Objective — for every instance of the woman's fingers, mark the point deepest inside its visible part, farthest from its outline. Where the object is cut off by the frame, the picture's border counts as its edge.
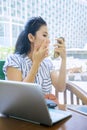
(59, 45)
(60, 40)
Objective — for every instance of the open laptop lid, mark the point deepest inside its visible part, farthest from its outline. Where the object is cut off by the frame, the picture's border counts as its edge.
(23, 101)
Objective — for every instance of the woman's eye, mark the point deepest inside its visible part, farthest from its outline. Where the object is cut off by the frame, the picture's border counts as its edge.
(45, 35)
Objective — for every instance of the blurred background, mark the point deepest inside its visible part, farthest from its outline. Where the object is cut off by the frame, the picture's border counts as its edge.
(66, 18)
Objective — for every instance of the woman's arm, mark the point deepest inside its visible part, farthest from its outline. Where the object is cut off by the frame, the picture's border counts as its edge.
(38, 55)
(59, 77)
(16, 75)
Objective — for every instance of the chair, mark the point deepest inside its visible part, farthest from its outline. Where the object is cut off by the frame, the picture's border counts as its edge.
(73, 95)
(2, 76)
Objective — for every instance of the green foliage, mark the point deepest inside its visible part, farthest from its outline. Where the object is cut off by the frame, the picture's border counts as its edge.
(5, 51)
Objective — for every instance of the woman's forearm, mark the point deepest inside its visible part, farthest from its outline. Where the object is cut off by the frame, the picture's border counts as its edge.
(62, 75)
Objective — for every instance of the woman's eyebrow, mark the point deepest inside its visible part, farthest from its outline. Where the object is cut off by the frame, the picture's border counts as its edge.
(46, 33)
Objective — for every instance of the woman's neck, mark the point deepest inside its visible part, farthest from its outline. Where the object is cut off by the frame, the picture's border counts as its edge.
(30, 55)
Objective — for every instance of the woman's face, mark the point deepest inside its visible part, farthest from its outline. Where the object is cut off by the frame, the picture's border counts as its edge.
(41, 35)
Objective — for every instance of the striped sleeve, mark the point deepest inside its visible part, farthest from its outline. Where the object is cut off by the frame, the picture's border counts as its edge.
(13, 61)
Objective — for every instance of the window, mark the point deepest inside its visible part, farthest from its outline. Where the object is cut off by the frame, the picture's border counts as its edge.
(14, 30)
(2, 30)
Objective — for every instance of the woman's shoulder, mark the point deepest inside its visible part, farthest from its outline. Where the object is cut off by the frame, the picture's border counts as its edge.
(13, 56)
(16, 57)
(14, 60)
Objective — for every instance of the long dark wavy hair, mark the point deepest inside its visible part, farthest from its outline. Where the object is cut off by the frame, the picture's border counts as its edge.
(23, 45)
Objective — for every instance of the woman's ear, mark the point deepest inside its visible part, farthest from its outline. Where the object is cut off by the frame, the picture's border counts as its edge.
(31, 37)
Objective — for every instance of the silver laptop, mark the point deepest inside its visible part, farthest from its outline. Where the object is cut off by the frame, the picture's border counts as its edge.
(25, 101)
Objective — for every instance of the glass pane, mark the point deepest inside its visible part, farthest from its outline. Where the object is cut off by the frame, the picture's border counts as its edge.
(2, 29)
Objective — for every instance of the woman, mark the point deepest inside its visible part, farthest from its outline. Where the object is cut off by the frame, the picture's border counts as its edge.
(30, 62)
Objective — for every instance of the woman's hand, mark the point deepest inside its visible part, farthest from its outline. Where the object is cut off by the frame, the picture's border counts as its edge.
(40, 52)
(60, 48)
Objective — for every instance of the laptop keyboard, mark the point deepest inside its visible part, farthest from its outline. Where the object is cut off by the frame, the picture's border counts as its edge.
(57, 115)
